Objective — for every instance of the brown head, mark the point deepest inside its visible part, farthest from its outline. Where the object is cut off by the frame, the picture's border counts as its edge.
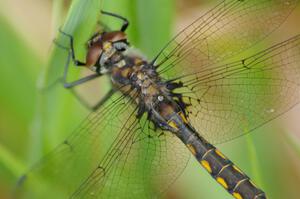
(102, 46)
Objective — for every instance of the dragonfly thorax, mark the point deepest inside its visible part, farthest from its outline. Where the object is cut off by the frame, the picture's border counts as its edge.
(152, 95)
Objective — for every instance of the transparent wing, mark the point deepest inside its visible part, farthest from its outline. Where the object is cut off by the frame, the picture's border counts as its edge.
(147, 163)
(111, 153)
(224, 31)
(230, 100)
(68, 165)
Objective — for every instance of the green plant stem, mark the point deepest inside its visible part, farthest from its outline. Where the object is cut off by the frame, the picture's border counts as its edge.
(254, 160)
(14, 166)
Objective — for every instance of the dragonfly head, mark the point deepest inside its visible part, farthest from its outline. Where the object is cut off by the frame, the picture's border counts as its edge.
(102, 49)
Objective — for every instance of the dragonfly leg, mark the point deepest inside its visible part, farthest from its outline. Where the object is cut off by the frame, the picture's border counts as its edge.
(71, 85)
(63, 79)
(76, 82)
(103, 100)
(79, 81)
(125, 21)
(98, 104)
(72, 51)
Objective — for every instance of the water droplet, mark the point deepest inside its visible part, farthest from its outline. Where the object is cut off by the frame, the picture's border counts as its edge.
(271, 110)
(160, 98)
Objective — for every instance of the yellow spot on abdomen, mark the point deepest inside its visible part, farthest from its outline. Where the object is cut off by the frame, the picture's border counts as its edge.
(183, 117)
(173, 124)
(237, 195)
(220, 154)
(206, 165)
(191, 148)
(222, 182)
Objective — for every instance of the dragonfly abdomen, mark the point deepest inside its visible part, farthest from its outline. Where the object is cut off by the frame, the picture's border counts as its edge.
(228, 175)
(218, 165)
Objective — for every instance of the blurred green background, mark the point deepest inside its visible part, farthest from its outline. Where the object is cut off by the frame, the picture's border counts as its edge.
(34, 121)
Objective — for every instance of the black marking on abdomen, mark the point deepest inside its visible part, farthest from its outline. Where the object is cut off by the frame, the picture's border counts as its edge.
(220, 167)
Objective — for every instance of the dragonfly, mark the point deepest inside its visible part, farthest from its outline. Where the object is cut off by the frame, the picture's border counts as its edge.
(159, 112)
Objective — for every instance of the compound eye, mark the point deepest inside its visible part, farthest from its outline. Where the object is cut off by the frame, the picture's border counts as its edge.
(93, 55)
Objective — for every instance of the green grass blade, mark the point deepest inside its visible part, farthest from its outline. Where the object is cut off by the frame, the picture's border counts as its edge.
(17, 97)
(9, 161)
(57, 110)
(254, 160)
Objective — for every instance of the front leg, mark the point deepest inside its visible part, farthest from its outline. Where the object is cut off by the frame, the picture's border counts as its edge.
(76, 82)
(72, 51)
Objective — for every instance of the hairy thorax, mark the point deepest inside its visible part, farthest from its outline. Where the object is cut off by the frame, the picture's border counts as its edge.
(139, 80)
(133, 78)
